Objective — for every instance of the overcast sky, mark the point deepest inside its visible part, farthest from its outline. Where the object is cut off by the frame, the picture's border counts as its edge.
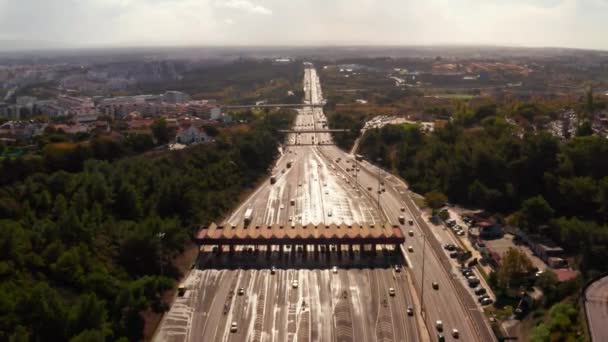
(559, 23)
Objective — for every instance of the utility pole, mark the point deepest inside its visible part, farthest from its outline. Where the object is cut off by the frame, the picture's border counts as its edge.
(160, 236)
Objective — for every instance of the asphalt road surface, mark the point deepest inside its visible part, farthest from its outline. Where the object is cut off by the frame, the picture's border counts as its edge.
(322, 184)
(596, 309)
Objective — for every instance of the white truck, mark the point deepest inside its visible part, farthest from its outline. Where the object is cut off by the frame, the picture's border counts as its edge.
(248, 216)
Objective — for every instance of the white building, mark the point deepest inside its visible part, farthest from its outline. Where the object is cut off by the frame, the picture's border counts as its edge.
(175, 97)
(191, 135)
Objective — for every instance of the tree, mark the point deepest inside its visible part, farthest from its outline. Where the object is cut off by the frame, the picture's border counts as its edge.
(160, 129)
(514, 268)
(89, 313)
(435, 199)
(540, 333)
(584, 129)
(535, 211)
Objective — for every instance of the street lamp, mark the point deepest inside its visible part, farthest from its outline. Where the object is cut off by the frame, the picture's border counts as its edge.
(160, 236)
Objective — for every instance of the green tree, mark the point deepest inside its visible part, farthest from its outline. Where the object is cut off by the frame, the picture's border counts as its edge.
(535, 211)
(435, 199)
(514, 268)
(89, 313)
(540, 333)
(584, 129)
(161, 131)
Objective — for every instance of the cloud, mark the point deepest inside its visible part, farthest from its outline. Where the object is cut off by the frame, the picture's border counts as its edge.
(243, 5)
(565, 23)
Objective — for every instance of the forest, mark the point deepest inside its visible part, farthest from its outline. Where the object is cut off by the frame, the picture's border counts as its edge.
(558, 188)
(85, 252)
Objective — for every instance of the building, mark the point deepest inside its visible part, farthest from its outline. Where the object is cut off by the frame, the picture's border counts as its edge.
(175, 97)
(75, 105)
(21, 129)
(191, 134)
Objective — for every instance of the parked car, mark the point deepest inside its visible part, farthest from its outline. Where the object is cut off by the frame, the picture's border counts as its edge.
(487, 301)
(480, 291)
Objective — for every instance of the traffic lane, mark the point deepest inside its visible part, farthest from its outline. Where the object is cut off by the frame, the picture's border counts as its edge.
(440, 304)
(475, 316)
(479, 324)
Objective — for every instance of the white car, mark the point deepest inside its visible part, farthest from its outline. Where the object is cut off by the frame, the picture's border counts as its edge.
(391, 292)
(233, 327)
(334, 269)
(410, 249)
(439, 325)
(294, 284)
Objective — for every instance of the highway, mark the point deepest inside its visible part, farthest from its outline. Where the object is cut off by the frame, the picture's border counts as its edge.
(596, 309)
(319, 184)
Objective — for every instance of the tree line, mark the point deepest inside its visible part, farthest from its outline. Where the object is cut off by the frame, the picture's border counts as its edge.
(80, 250)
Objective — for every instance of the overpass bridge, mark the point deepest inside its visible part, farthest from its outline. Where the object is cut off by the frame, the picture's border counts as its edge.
(276, 105)
(334, 130)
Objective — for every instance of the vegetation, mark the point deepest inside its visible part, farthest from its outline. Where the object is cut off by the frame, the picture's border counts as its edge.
(240, 81)
(481, 160)
(81, 256)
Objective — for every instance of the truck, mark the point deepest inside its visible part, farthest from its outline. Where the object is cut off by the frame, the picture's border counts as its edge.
(248, 216)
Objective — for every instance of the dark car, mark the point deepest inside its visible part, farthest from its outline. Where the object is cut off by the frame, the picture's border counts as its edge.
(480, 291)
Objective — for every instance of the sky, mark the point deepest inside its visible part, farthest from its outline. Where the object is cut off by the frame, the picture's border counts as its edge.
(92, 23)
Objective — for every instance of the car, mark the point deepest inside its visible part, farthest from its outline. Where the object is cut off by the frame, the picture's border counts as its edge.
(435, 285)
(233, 327)
(480, 291)
(369, 188)
(468, 273)
(241, 291)
(411, 222)
(453, 255)
(410, 249)
(402, 208)
(410, 311)
(391, 292)
(181, 290)
(401, 219)
(487, 301)
(282, 206)
(334, 269)
(397, 268)
(439, 325)
(411, 233)
(473, 281)
(294, 284)
(482, 298)
(460, 233)
(440, 338)
(455, 333)
(273, 270)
